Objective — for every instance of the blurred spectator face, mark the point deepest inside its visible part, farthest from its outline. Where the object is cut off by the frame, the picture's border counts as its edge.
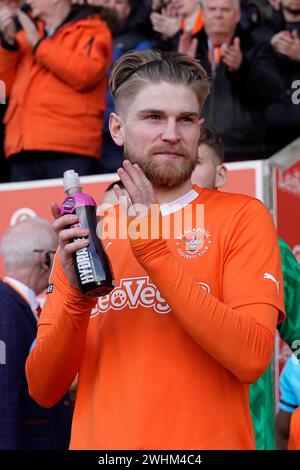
(185, 7)
(291, 5)
(39, 8)
(12, 4)
(209, 172)
(221, 17)
(121, 7)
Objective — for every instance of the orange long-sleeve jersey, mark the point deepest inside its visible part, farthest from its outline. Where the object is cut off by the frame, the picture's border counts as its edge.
(165, 359)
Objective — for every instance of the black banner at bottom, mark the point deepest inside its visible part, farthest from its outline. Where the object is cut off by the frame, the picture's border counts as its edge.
(139, 459)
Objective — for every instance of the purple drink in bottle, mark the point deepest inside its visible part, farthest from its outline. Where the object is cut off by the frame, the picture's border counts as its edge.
(93, 271)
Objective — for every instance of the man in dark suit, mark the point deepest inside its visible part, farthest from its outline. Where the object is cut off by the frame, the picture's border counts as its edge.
(28, 249)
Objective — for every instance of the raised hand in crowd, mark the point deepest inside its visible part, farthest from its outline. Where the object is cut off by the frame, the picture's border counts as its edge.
(29, 28)
(232, 55)
(187, 44)
(288, 44)
(275, 4)
(166, 22)
(7, 24)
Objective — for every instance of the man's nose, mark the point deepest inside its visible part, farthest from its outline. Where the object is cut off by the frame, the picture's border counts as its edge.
(170, 132)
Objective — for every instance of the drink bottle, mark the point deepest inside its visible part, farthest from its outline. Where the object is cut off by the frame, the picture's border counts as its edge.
(92, 267)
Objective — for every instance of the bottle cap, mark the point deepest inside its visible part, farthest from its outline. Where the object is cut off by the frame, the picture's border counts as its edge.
(71, 181)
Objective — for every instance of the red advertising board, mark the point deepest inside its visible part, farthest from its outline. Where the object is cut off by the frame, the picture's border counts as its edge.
(287, 204)
(287, 209)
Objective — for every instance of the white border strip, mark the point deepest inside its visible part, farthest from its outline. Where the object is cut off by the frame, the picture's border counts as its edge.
(106, 178)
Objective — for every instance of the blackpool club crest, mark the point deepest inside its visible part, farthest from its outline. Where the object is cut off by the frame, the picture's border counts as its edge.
(193, 242)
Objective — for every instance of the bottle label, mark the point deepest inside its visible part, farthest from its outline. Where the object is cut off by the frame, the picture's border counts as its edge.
(84, 265)
(69, 204)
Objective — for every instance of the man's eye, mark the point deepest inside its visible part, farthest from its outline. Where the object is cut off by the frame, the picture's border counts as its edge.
(153, 117)
(186, 119)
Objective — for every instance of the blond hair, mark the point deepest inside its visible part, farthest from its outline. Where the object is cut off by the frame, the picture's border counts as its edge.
(136, 69)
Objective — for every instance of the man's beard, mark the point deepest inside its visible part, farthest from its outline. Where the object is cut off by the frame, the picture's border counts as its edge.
(292, 11)
(164, 173)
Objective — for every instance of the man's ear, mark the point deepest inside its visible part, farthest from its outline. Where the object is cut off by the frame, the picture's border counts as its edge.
(45, 261)
(221, 176)
(116, 129)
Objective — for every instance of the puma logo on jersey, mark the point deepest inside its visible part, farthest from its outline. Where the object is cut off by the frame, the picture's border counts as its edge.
(272, 278)
(134, 292)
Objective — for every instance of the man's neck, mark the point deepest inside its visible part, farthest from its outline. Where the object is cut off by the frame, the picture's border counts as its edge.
(24, 277)
(290, 16)
(165, 195)
(57, 17)
(219, 39)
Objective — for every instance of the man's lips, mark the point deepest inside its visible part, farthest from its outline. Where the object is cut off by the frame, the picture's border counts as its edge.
(168, 155)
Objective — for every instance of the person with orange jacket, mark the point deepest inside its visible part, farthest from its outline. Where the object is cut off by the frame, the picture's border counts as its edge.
(54, 63)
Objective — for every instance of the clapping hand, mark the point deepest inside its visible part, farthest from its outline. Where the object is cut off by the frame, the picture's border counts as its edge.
(187, 44)
(232, 55)
(138, 190)
(7, 25)
(288, 44)
(166, 22)
(29, 28)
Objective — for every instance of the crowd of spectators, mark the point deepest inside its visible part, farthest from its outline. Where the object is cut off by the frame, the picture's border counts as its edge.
(55, 58)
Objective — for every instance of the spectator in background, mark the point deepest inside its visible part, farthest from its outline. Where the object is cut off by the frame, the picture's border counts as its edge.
(289, 400)
(55, 69)
(131, 16)
(27, 249)
(109, 196)
(294, 439)
(175, 18)
(210, 171)
(245, 79)
(282, 31)
(261, 393)
(2, 157)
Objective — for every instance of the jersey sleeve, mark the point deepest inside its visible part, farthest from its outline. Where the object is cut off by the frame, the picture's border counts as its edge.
(252, 266)
(60, 340)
